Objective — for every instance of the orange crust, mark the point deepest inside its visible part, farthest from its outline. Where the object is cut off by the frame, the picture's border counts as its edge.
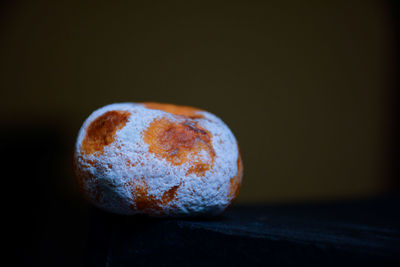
(145, 202)
(101, 131)
(186, 111)
(176, 141)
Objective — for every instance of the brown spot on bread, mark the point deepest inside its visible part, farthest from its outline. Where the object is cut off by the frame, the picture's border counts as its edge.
(85, 161)
(146, 202)
(236, 181)
(129, 163)
(143, 200)
(169, 195)
(175, 142)
(198, 168)
(101, 132)
(186, 111)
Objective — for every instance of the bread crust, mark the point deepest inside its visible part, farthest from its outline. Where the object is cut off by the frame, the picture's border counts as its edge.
(157, 159)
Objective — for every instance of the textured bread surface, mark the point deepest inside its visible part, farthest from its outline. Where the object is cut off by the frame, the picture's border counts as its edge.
(157, 159)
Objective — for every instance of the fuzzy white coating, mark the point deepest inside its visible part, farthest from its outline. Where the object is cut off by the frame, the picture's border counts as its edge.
(127, 160)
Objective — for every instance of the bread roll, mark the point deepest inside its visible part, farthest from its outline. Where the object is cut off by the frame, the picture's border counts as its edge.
(157, 159)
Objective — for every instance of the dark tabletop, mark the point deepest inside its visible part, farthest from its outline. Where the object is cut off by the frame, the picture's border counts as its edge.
(357, 233)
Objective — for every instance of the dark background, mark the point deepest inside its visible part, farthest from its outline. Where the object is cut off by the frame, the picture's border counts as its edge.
(309, 89)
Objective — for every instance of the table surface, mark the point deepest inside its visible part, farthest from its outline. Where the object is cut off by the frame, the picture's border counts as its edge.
(358, 232)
